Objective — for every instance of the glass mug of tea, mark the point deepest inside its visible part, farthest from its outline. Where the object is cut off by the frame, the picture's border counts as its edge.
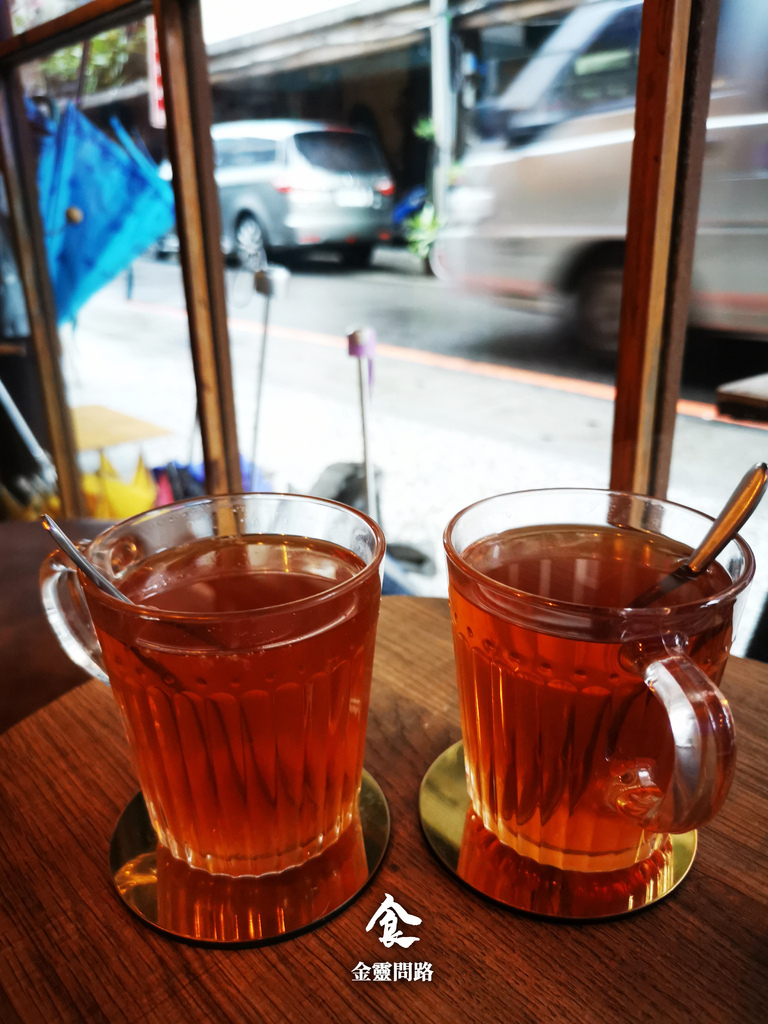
(242, 668)
(592, 729)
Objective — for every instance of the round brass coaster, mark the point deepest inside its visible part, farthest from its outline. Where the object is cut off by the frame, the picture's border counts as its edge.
(472, 853)
(221, 910)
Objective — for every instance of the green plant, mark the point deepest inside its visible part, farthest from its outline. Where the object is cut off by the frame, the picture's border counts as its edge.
(425, 129)
(115, 58)
(421, 230)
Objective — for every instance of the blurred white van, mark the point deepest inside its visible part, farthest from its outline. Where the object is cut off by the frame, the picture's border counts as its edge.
(538, 216)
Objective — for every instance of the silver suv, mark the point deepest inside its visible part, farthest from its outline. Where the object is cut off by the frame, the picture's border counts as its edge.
(295, 185)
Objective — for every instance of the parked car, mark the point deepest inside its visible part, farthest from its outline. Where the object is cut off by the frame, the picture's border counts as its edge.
(287, 185)
(539, 215)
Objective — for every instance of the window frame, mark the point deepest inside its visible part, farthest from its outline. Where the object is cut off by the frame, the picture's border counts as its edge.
(675, 68)
(188, 110)
(677, 54)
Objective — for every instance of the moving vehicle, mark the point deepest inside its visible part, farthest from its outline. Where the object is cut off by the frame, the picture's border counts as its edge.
(538, 218)
(288, 185)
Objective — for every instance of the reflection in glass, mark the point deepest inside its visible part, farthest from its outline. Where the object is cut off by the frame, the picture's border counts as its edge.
(27, 14)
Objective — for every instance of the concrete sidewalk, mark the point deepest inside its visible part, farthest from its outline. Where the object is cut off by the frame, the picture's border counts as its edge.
(445, 432)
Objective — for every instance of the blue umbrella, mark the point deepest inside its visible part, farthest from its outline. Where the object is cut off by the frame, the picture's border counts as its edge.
(126, 206)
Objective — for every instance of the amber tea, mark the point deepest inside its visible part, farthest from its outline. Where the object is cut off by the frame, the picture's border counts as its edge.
(551, 711)
(247, 713)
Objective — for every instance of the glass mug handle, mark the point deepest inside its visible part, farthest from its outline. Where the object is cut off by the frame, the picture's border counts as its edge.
(705, 744)
(68, 615)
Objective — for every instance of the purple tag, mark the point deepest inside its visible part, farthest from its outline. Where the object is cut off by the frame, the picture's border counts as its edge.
(362, 345)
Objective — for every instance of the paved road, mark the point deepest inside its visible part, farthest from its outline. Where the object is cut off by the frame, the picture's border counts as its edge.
(412, 310)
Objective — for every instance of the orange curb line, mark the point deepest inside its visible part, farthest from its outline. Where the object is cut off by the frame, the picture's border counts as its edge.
(571, 385)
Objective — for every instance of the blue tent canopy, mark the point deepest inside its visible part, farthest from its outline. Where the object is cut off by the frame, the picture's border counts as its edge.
(126, 206)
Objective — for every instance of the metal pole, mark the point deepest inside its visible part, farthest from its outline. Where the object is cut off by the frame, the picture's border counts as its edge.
(45, 466)
(270, 281)
(259, 390)
(371, 502)
(86, 54)
(362, 345)
(442, 101)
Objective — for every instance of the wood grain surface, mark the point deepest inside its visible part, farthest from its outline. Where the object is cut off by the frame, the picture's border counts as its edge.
(71, 953)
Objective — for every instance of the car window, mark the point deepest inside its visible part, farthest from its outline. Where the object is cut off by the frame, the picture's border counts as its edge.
(547, 65)
(244, 152)
(607, 70)
(339, 151)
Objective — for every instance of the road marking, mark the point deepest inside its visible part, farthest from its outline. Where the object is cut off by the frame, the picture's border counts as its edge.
(422, 357)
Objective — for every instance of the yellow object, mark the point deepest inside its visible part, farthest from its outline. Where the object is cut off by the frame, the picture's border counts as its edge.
(39, 503)
(107, 496)
(97, 427)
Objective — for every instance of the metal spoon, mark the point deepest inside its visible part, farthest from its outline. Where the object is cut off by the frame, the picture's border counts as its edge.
(87, 568)
(736, 511)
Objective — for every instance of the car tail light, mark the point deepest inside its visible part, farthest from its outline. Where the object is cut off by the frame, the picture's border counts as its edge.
(281, 185)
(385, 186)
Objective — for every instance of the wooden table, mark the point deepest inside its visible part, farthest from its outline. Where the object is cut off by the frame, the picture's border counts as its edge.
(71, 953)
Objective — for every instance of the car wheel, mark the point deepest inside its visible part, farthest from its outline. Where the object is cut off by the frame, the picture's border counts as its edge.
(357, 257)
(249, 243)
(597, 312)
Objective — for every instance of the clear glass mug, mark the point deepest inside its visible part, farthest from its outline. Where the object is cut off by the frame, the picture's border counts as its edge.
(247, 725)
(591, 729)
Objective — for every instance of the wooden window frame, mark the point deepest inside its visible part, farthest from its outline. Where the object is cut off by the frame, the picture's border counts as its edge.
(188, 109)
(677, 56)
(674, 76)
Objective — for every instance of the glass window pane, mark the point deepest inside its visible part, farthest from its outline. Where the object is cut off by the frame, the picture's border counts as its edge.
(27, 14)
(13, 311)
(21, 409)
(726, 344)
(108, 219)
(471, 396)
(116, 59)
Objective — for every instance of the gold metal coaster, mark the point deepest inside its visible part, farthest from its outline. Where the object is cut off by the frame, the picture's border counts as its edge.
(221, 910)
(476, 856)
